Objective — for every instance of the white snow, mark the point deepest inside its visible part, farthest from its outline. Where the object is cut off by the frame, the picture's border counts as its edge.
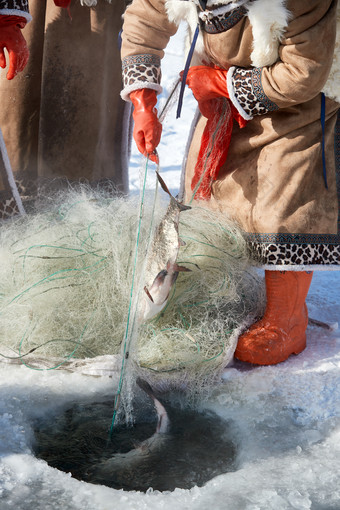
(286, 417)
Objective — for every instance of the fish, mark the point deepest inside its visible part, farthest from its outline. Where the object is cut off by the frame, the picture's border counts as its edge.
(162, 269)
(146, 449)
(168, 446)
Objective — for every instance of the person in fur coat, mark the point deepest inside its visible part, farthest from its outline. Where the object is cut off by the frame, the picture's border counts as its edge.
(265, 74)
(62, 118)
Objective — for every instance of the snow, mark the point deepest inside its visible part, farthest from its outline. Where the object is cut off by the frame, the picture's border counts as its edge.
(286, 417)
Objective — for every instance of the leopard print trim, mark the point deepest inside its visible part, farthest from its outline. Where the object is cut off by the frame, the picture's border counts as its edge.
(223, 22)
(15, 8)
(27, 190)
(291, 254)
(141, 71)
(293, 251)
(19, 5)
(248, 92)
(8, 208)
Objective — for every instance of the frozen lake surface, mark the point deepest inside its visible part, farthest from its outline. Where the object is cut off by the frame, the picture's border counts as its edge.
(286, 418)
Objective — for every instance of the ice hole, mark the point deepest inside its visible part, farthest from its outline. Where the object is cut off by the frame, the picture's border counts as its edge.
(198, 447)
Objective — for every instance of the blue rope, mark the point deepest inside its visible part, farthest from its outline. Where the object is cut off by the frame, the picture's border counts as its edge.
(203, 4)
(323, 122)
(185, 72)
(120, 39)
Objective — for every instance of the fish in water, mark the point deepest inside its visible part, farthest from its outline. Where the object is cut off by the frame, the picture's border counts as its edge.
(168, 446)
(161, 268)
(145, 449)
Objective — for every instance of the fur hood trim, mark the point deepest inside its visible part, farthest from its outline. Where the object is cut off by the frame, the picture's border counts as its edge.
(181, 10)
(267, 17)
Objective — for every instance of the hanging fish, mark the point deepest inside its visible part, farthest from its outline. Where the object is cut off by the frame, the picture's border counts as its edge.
(162, 269)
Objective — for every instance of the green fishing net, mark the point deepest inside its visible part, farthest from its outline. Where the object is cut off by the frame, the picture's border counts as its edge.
(66, 293)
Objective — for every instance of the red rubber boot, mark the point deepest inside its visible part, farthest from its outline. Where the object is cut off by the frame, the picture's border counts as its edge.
(282, 330)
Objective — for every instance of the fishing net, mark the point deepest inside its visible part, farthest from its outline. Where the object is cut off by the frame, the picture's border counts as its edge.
(65, 279)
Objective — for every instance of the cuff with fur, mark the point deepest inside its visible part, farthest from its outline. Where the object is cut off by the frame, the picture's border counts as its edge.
(246, 92)
(141, 71)
(125, 93)
(16, 12)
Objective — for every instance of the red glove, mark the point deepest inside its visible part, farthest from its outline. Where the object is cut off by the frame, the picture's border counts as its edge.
(209, 86)
(12, 39)
(147, 131)
(62, 3)
(209, 83)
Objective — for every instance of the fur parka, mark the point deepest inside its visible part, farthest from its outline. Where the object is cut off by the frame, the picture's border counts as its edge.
(280, 56)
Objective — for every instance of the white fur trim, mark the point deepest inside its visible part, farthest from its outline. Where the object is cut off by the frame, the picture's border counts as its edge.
(332, 87)
(232, 97)
(90, 3)
(125, 93)
(268, 19)
(180, 10)
(16, 12)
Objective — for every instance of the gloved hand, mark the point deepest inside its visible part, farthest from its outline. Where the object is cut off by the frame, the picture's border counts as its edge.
(209, 86)
(12, 39)
(147, 130)
(209, 83)
(62, 3)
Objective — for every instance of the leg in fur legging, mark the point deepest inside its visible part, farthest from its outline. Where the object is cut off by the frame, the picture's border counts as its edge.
(62, 117)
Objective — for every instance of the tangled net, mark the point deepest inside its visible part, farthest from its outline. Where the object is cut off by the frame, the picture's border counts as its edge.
(66, 273)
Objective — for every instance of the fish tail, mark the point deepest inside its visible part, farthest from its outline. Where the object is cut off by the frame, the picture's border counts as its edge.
(165, 188)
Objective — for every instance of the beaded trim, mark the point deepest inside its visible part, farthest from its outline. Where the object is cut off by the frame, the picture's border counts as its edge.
(145, 59)
(223, 22)
(258, 90)
(298, 239)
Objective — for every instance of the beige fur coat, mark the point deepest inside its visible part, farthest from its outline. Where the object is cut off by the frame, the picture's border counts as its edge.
(280, 56)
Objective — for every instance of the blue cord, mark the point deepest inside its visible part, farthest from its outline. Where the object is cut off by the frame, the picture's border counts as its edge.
(323, 122)
(185, 72)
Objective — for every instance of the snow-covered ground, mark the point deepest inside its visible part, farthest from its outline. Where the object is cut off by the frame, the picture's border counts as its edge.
(286, 418)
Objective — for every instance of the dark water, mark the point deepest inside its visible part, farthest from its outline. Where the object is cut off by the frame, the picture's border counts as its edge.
(198, 447)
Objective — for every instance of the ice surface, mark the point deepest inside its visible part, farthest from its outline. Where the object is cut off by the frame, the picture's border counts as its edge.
(287, 417)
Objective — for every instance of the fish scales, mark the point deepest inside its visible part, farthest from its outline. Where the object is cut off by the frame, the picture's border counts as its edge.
(161, 268)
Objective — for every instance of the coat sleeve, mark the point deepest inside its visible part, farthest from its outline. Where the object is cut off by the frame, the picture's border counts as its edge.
(305, 59)
(15, 8)
(146, 33)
